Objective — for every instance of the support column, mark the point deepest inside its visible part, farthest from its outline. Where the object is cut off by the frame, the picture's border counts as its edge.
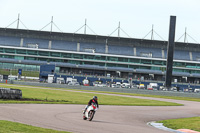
(163, 53)
(78, 47)
(21, 42)
(170, 52)
(50, 43)
(134, 51)
(191, 58)
(106, 46)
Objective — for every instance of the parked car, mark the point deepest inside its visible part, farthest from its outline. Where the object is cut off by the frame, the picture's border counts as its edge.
(73, 83)
(196, 90)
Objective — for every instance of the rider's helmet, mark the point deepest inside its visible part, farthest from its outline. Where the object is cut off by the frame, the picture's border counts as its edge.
(95, 98)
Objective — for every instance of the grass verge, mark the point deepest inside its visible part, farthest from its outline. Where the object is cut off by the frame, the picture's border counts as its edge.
(158, 96)
(14, 127)
(129, 94)
(39, 95)
(184, 123)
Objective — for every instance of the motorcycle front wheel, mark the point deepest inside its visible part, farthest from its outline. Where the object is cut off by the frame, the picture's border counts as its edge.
(91, 115)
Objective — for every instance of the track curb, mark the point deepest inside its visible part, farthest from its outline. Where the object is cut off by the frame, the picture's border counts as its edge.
(162, 127)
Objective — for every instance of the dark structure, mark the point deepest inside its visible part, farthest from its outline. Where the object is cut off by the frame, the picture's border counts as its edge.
(46, 69)
(170, 52)
(9, 93)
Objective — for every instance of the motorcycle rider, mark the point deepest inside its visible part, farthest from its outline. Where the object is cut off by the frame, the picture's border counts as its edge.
(93, 100)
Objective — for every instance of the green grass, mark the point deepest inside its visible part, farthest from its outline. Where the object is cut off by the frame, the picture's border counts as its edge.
(15, 72)
(146, 95)
(37, 95)
(158, 96)
(184, 123)
(14, 127)
(133, 94)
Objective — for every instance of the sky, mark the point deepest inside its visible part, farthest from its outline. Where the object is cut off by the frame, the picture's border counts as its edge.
(136, 17)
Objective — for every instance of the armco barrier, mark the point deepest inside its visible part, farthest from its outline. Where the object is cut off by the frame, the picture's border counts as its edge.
(7, 93)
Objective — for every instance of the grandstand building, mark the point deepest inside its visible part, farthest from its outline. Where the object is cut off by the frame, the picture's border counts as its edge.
(96, 55)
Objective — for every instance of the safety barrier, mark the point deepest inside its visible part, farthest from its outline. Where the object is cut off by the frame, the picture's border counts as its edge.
(9, 93)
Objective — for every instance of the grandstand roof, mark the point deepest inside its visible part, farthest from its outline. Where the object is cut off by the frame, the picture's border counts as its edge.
(95, 39)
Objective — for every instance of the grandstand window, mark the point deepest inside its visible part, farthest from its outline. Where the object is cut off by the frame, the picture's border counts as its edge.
(155, 68)
(146, 61)
(89, 63)
(8, 56)
(190, 64)
(193, 71)
(66, 55)
(163, 69)
(41, 53)
(134, 60)
(78, 56)
(179, 64)
(111, 65)
(29, 67)
(198, 66)
(112, 58)
(55, 54)
(1, 50)
(8, 66)
(21, 51)
(99, 64)
(89, 57)
(65, 61)
(178, 70)
(121, 65)
(123, 59)
(135, 67)
(30, 52)
(57, 69)
(19, 57)
(197, 71)
(131, 66)
(144, 67)
(188, 71)
(75, 62)
(56, 60)
(99, 57)
(42, 59)
(157, 62)
(30, 58)
(10, 50)
(20, 66)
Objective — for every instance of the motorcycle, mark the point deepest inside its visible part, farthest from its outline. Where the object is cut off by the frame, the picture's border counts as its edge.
(89, 113)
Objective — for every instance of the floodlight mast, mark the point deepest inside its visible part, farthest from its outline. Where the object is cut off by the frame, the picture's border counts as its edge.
(51, 23)
(18, 21)
(185, 37)
(119, 30)
(85, 26)
(152, 33)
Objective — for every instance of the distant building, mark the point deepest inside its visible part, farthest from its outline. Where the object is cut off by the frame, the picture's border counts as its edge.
(96, 55)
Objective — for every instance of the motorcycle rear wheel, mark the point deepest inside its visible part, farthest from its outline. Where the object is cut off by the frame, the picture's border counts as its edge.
(84, 118)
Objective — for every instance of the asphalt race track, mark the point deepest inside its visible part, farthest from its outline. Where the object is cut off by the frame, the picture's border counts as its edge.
(108, 119)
